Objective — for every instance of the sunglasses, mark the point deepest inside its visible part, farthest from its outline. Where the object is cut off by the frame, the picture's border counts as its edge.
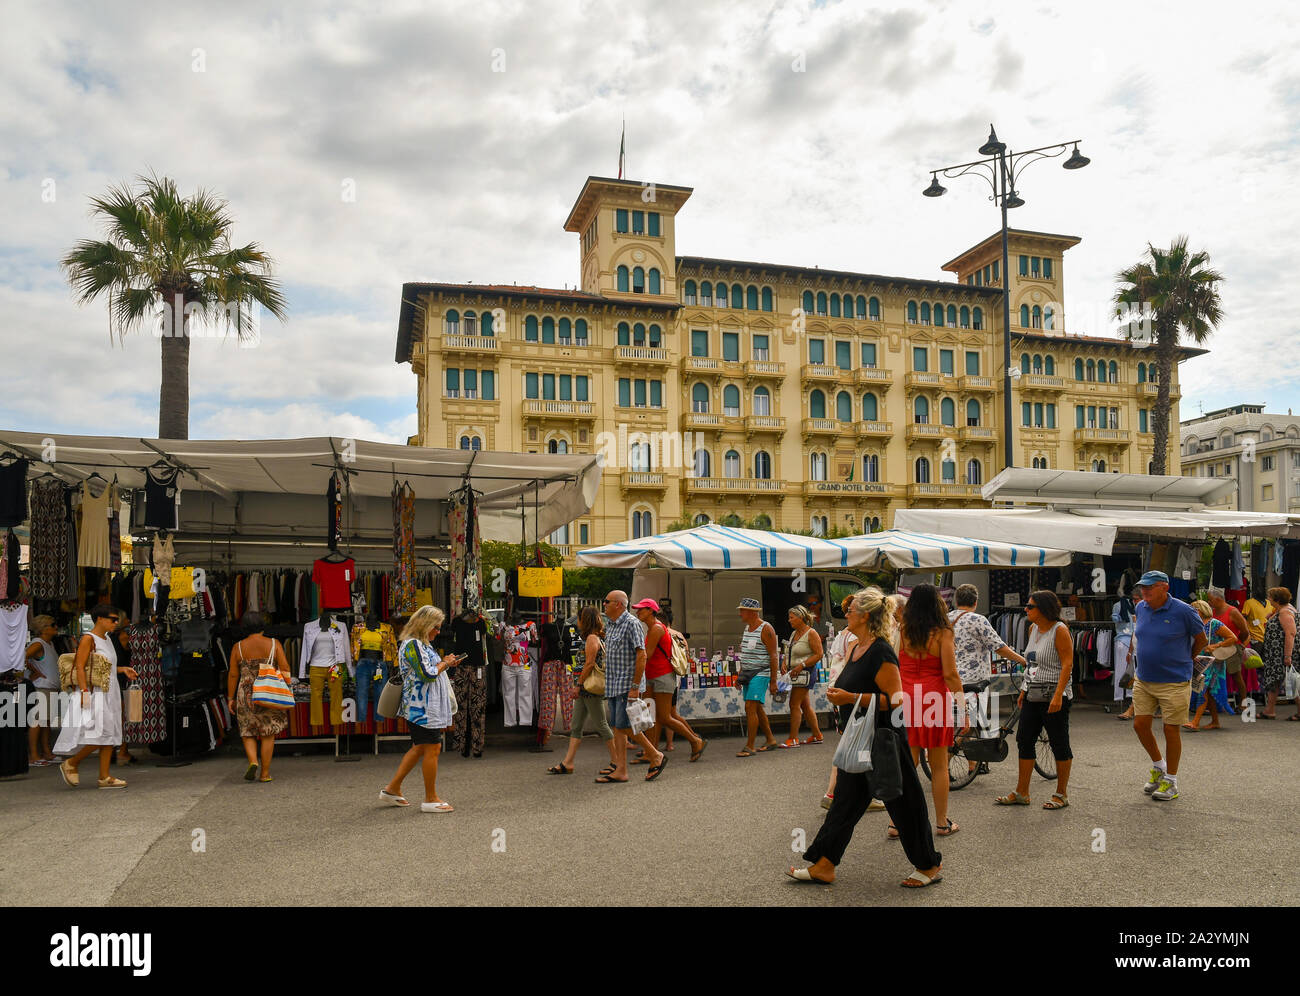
(1033, 605)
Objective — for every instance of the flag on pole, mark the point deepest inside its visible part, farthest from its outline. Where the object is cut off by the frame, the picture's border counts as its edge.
(622, 144)
(851, 466)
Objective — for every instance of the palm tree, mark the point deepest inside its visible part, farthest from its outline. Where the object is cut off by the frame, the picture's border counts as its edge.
(166, 254)
(1183, 296)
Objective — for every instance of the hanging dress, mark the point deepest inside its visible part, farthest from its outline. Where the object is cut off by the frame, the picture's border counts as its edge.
(92, 547)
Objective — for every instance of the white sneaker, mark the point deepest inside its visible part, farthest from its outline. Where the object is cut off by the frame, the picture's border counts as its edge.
(435, 807)
(1168, 790)
(1153, 781)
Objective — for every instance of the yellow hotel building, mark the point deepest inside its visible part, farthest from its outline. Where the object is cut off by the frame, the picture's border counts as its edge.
(791, 395)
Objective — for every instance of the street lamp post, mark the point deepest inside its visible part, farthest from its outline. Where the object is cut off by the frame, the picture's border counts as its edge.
(1002, 168)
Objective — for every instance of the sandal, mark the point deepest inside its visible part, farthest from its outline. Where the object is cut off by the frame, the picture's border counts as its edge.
(251, 773)
(1053, 804)
(392, 800)
(609, 769)
(1012, 799)
(111, 783)
(657, 769)
(559, 769)
(789, 742)
(767, 747)
(746, 752)
(804, 875)
(695, 754)
(266, 778)
(812, 740)
(69, 773)
(607, 780)
(893, 833)
(919, 880)
(949, 830)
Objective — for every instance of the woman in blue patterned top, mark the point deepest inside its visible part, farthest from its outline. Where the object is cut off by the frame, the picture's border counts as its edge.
(426, 707)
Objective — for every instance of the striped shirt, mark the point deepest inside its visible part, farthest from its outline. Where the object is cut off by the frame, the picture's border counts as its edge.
(1044, 662)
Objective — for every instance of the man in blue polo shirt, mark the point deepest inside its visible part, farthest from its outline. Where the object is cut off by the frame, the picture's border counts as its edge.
(1169, 634)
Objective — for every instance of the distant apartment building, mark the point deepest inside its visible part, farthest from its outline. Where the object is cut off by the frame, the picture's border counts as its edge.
(1261, 452)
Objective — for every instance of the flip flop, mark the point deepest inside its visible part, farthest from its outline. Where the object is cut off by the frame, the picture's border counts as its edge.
(893, 833)
(949, 830)
(436, 807)
(606, 780)
(641, 760)
(657, 769)
(767, 747)
(559, 769)
(393, 800)
(251, 773)
(695, 755)
(803, 875)
(268, 778)
(745, 752)
(921, 880)
(609, 769)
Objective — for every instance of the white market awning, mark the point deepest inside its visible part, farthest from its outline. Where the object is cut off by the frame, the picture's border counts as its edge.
(1078, 488)
(517, 488)
(715, 547)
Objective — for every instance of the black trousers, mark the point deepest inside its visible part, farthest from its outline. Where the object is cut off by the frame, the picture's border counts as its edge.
(910, 813)
(1034, 718)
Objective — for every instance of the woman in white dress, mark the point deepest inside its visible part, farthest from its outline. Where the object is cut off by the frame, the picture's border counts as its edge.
(94, 722)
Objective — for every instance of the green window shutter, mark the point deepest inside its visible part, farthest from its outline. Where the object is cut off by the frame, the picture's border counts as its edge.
(1051, 416)
(844, 355)
(566, 387)
(737, 296)
(548, 330)
(1078, 416)
(638, 222)
(453, 379)
(624, 284)
(1024, 266)
(582, 389)
(767, 298)
(869, 353)
(699, 342)
(530, 386)
(945, 362)
(624, 337)
(653, 286)
(920, 359)
(548, 387)
(947, 412)
(485, 323)
(530, 328)
(816, 351)
(760, 342)
(1038, 414)
(620, 223)
(731, 346)
(624, 393)
(1047, 268)
(489, 385)
(471, 381)
(656, 394)
(807, 302)
(1092, 416)
(652, 223)
(972, 364)
(582, 533)
(995, 269)
(751, 298)
(1142, 420)
(1026, 411)
(638, 393)
(869, 408)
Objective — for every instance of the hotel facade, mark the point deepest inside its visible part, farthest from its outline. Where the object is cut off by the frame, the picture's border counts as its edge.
(789, 396)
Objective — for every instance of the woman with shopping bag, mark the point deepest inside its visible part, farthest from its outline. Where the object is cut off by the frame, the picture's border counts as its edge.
(95, 722)
(872, 672)
(259, 724)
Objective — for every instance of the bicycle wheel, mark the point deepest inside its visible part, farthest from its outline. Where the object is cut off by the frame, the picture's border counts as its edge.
(1044, 759)
(959, 773)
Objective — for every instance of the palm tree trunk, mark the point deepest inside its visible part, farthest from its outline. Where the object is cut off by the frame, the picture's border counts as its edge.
(174, 392)
(1166, 347)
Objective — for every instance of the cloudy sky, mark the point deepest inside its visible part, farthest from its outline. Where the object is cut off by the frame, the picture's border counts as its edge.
(464, 172)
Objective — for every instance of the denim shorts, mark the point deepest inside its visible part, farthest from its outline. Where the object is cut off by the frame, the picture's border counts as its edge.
(616, 708)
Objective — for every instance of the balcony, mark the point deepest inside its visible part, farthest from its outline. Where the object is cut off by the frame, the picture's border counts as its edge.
(1041, 382)
(813, 427)
(646, 356)
(873, 378)
(950, 492)
(1106, 437)
(977, 434)
(454, 343)
(874, 430)
(765, 425)
(723, 488)
(639, 480)
(708, 422)
(564, 411)
(858, 491)
(927, 381)
(918, 433)
(1148, 391)
(976, 385)
(709, 366)
(817, 373)
(764, 370)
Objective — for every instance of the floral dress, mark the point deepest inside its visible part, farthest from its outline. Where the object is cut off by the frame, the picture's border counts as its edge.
(1274, 669)
(1216, 676)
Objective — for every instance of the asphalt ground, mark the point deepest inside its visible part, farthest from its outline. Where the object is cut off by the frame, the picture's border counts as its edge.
(718, 832)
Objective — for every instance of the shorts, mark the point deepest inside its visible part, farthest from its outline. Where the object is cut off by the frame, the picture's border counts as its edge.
(423, 736)
(756, 687)
(1171, 696)
(665, 684)
(616, 710)
(589, 714)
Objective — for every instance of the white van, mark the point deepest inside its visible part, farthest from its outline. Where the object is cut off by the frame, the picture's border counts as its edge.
(687, 594)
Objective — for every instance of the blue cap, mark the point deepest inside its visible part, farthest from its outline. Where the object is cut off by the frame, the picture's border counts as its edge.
(750, 603)
(1152, 577)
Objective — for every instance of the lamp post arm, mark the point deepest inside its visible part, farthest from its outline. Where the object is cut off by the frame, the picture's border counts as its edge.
(984, 169)
(1018, 162)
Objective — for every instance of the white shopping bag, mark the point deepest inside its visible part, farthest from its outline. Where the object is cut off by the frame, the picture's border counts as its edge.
(641, 714)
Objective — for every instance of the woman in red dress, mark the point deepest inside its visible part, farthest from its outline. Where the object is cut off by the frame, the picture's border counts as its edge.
(929, 670)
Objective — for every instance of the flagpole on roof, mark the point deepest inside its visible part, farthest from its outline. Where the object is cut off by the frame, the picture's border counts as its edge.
(622, 147)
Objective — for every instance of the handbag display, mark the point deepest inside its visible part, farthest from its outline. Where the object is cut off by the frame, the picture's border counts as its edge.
(133, 704)
(390, 699)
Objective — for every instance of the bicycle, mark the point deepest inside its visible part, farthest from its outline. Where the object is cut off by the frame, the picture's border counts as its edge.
(986, 750)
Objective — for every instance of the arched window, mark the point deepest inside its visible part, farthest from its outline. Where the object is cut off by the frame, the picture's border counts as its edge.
(947, 412)
(1142, 373)
(921, 410)
(767, 298)
(688, 292)
(1114, 372)
(737, 296)
(762, 466)
(1024, 316)
(873, 308)
(731, 464)
(1099, 466)
(731, 520)
(870, 408)
(471, 443)
(641, 525)
(922, 470)
(871, 468)
(565, 329)
(548, 330)
(1049, 366)
(974, 472)
(1049, 318)
(861, 306)
(762, 521)
(925, 313)
(952, 314)
(848, 305)
(817, 466)
(706, 294)
(638, 456)
(530, 328)
(470, 320)
(911, 312)
(1024, 363)
(938, 315)
(656, 336)
(875, 524)
(965, 316)
(808, 302)
(700, 520)
(816, 404)
(844, 407)
(835, 306)
(1038, 364)
(762, 401)
(751, 297)
(580, 331)
(821, 303)
(653, 285)
(1038, 317)
(638, 280)
(731, 400)
(623, 282)
(948, 472)
(1078, 369)
(638, 334)
(819, 525)
(700, 399)
(624, 334)
(451, 322)
(973, 413)
(486, 326)
(702, 465)
(1092, 370)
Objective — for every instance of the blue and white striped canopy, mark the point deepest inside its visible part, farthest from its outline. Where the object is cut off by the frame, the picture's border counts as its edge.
(714, 547)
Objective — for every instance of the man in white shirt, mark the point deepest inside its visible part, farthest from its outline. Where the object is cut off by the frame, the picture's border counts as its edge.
(974, 638)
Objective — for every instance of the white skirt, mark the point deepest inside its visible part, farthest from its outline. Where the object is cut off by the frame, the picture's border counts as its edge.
(98, 726)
